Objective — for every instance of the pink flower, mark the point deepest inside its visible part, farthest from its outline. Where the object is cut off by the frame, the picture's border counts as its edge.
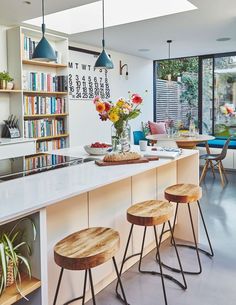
(136, 99)
(96, 99)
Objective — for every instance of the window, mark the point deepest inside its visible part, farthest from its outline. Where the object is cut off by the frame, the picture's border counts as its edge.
(177, 99)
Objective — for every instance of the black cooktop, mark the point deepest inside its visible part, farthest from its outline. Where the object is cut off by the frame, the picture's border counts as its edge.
(33, 164)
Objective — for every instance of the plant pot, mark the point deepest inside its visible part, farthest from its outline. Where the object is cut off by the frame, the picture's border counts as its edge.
(10, 274)
(3, 84)
(10, 85)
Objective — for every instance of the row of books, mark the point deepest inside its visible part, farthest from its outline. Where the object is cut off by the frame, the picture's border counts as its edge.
(43, 128)
(43, 161)
(50, 145)
(44, 105)
(29, 45)
(40, 81)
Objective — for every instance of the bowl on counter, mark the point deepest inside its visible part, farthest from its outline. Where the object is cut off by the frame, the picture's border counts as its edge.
(96, 151)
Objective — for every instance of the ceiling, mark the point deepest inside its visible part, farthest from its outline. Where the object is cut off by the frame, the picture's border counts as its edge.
(193, 33)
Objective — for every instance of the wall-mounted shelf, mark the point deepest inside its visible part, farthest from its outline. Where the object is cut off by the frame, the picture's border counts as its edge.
(64, 135)
(35, 116)
(10, 91)
(43, 64)
(11, 295)
(46, 93)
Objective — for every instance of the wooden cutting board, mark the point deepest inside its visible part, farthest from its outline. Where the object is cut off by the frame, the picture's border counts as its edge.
(141, 160)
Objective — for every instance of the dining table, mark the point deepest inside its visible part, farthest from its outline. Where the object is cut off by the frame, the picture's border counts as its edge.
(183, 140)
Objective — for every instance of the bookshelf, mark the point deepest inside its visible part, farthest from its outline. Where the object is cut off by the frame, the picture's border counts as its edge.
(11, 295)
(46, 115)
(10, 91)
(64, 135)
(44, 83)
(49, 93)
(43, 64)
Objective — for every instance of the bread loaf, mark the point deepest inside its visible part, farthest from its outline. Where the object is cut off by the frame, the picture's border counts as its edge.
(114, 157)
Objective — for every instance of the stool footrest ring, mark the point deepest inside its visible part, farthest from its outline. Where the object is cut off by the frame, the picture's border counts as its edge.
(73, 300)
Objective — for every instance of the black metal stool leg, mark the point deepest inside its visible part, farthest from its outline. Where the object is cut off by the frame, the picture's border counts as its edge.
(160, 265)
(195, 243)
(174, 223)
(177, 254)
(167, 276)
(124, 259)
(207, 235)
(175, 217)
(92, 287)
(195, 247)
(84, 290)
(120, 283)
(58, 286)
(142, 247)
(81, 297)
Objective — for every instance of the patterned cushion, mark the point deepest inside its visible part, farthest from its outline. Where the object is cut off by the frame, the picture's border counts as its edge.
(157, 127)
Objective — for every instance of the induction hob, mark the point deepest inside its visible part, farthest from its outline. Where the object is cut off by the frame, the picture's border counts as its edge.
(13, 168)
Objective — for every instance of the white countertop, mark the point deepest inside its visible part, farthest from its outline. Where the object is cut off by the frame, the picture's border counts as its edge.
(25, 195)
(7, 141)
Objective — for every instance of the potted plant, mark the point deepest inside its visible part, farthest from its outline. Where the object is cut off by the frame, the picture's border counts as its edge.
(14, 252)
(6, 81)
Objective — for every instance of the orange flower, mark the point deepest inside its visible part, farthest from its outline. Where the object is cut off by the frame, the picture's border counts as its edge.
(100, 107)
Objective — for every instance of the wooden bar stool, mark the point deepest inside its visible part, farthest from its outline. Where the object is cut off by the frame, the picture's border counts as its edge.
(84, 250)
(146, 214)
(187, 194)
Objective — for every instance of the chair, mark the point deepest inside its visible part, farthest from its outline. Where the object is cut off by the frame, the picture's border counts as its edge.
(215, 161)
(146, 214)
(84, 250)
(138, 135)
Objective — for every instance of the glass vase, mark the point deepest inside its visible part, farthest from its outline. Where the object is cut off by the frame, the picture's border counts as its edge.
(120, 137)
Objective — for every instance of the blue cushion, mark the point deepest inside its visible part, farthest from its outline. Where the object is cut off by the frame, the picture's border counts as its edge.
(138, 135)
(219, 143)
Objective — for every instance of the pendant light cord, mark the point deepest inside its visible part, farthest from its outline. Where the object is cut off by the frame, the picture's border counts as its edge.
(43, 24)
(103, 25)
(169, 50)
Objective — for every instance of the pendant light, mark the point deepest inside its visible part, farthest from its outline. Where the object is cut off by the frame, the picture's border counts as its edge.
(169, 75)
(103, 61)
(44, 51)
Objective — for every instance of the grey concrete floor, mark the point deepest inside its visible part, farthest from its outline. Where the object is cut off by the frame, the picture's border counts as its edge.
(217, 283)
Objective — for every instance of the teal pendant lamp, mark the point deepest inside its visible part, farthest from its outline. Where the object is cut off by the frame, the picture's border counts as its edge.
(44, 51)
(103, 61)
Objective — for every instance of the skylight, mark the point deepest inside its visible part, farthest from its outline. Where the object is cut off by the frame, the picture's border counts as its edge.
(89, 17)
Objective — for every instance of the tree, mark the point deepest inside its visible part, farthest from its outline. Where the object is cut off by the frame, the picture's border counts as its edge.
(176, 67)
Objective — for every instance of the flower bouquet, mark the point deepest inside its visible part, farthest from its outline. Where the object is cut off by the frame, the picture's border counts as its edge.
(119, 113)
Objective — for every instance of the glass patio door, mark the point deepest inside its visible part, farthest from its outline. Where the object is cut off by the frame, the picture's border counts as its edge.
(225, 96)
(218, 95)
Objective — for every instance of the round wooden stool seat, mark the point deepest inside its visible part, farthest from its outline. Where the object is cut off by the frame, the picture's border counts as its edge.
(86, 249)
(150, 213)
(183, 193)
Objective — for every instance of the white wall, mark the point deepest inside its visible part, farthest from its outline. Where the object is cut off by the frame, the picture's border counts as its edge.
(4, 98)
(85, 126)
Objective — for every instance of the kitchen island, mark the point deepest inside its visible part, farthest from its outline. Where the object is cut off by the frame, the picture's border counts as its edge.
(72, 198)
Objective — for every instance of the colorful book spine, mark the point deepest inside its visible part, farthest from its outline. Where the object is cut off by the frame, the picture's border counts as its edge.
(43, 128)
(34, 105)
(39, 81)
